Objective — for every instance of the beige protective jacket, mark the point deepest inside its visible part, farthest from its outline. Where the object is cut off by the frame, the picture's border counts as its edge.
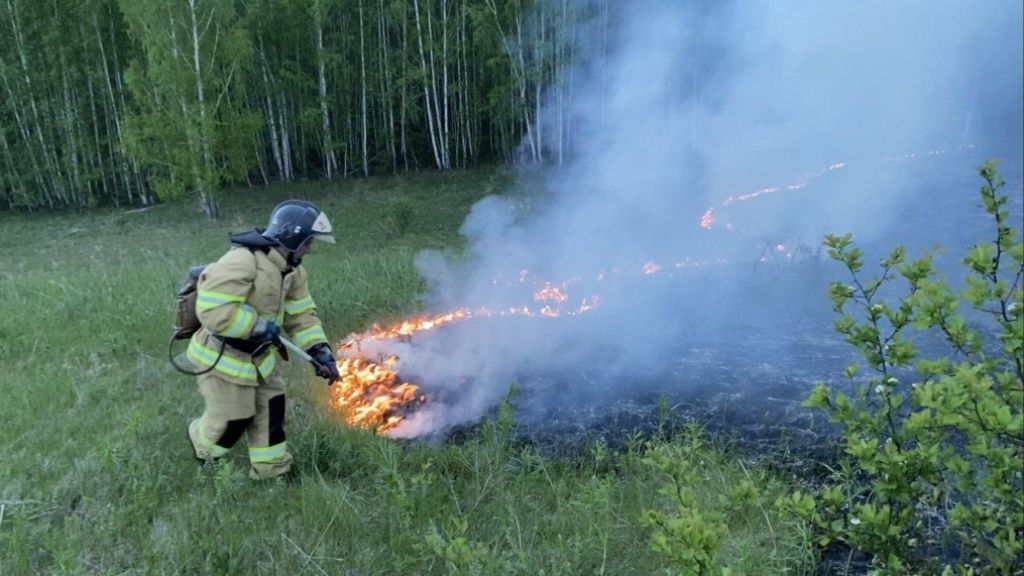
(242, 286)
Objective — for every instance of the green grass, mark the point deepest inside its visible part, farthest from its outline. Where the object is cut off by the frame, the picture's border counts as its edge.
(96, 476)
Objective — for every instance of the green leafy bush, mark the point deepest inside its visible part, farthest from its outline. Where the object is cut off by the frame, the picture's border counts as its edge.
(930, 479)
(698, 535)
(688, 536)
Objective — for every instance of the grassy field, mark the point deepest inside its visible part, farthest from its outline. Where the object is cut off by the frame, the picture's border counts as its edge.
(96, 475)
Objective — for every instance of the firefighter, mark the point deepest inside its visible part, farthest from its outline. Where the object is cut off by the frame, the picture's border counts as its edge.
(255, 293)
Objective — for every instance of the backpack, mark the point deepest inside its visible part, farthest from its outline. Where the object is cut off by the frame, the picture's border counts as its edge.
(186, 321)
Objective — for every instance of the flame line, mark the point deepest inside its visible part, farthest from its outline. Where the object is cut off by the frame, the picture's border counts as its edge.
(708, 220)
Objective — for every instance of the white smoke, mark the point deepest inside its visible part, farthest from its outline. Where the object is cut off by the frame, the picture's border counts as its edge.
(693, 102)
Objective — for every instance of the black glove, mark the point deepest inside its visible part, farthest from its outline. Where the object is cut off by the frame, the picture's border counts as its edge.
(265, 331)
(324, 363)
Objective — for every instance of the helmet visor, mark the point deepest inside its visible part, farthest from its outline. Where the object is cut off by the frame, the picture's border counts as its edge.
(322, 229)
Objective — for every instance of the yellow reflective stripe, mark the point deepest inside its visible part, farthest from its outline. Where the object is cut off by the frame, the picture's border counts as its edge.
(242, 323)
(278, 319)
(208, 299)
(268, 363)
(305, 337)
(218, 451)
(268, 453)
(299, 306)
(228, 365)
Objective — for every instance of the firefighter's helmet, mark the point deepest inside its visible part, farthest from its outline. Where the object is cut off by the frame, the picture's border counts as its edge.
(295, 222)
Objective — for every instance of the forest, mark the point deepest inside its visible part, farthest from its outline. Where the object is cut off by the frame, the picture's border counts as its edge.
(133, 102)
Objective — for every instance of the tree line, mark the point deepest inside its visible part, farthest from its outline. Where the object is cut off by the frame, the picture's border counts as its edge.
(131, 102)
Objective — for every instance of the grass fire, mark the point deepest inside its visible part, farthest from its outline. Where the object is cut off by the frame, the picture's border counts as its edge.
(371, 394)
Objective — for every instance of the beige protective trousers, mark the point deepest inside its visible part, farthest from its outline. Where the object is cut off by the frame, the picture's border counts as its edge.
(232, 410)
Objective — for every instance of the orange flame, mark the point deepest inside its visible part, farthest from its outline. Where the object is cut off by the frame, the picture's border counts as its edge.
(708, 218)
(407, 327)
(549, 292)
(370, 395)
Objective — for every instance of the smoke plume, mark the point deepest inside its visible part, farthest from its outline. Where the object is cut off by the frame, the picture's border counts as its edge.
(863, 117)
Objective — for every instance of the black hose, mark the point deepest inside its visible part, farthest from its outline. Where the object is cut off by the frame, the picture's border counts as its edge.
(170, 356)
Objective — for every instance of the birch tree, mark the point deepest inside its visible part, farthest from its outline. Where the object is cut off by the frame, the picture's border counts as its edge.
(188, 125)
(320, 16)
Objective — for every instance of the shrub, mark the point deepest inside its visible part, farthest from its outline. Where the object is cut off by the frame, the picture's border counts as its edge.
(932, 475)
(688, 536)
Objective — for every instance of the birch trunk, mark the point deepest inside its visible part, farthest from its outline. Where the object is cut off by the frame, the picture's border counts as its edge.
(261, 159)
(97, 162)
(403, 104)
(206, 197)
(26, 138)
(14, 182)
(114, 113)
(519, 74)
(275, 147)
(56, 189)
(465, 84)
(442, 136)
(426, 89)
(444, 80)
(387, 106)
(70, 133)
(136, 173)
(362, 83)
(330, 160)
(286, 149)
(524, 102)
